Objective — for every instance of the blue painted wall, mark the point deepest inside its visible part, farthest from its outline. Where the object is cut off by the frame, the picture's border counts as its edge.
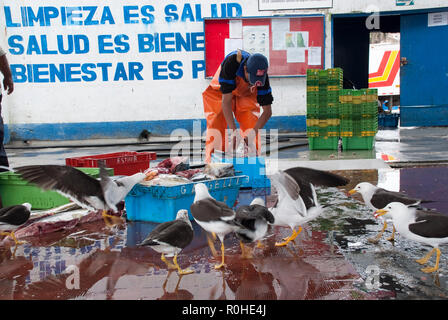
(424, 79)
(131, 129)
(424, 116)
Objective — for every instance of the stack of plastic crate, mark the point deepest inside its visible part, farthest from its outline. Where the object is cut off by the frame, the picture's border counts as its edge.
(323, 108)
(334, 84)
(312, 102)
(359, 118)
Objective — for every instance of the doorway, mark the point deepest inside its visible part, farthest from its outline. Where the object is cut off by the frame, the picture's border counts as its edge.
(420, 65)
(351, 46)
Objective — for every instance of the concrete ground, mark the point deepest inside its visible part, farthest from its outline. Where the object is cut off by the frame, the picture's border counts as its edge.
(332, 259)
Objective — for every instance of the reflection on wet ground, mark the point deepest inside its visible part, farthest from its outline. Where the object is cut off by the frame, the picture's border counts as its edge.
(112, 267)
(399, 276)
(331, 259)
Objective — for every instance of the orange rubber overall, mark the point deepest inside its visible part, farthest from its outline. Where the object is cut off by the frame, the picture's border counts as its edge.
(244, 106)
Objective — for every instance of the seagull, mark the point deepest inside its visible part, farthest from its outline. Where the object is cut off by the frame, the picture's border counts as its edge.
(377, 198)
(169, 238)
(89, 193)
(418, 224)
(255, 219)
(297, 199)
(213, 216)
(12, 217)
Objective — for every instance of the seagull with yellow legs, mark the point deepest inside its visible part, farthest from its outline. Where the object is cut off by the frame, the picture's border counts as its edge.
(297, 201)
(429, 227)
(12, 217)
(213, 216)
(211, 244)
(176, 294)
(255, 218)
(376, 198)
(93, 194)
(169, 238)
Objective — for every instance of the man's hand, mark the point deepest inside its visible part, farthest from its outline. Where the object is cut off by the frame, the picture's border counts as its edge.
(8, 84)
(265, 116)
(235, 139)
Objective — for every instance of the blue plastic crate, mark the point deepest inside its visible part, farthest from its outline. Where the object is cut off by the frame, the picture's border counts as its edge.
(160, 204)
(246, 195)
(388, 120)
(253, 167)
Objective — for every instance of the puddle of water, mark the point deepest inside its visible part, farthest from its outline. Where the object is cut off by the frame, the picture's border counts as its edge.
(112, 267)
(428, 183)
(353, 225)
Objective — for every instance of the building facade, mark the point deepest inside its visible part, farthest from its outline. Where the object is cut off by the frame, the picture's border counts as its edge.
(111, 70)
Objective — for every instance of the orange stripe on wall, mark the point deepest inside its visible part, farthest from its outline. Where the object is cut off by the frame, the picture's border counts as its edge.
(382, 66)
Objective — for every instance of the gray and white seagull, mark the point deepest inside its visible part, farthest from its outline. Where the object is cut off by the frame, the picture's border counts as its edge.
(297, 199)
(256, 219)
(169, 238)
(89, 193)
(13, 217)
(421, 225)
(377, 198)
(213, 216)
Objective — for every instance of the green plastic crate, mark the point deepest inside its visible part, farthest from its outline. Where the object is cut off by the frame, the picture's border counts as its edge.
(316, 131)
(346, 110)
(312, 96)
(312, 73)
(323, 143)
(358, 143)
(334, 72)
(332, 98)
(369, 109)
(14, 190)
(358, 127)
(332, 113)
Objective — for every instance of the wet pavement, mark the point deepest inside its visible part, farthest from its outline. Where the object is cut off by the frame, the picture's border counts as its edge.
(388, 266)
(111, 268)
(331, 259)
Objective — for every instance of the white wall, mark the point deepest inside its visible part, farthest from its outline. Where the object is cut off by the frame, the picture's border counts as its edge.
(148, 99)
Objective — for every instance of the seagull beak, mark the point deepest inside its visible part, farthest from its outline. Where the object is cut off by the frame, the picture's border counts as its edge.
(150, 174)
(379, 213)
(352, 192)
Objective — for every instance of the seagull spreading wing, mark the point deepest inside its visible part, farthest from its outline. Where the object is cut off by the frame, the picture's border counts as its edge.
(92, 194)
(297, 199)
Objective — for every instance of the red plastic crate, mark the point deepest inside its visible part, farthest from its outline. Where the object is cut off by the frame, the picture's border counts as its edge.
(123, 163)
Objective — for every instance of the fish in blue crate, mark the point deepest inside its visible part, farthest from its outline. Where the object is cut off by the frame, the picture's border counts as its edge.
(252, 166)
(175, 171)
(212, 172)
(219, 170)
(160, 199)
(173, 165)
(166, 180)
